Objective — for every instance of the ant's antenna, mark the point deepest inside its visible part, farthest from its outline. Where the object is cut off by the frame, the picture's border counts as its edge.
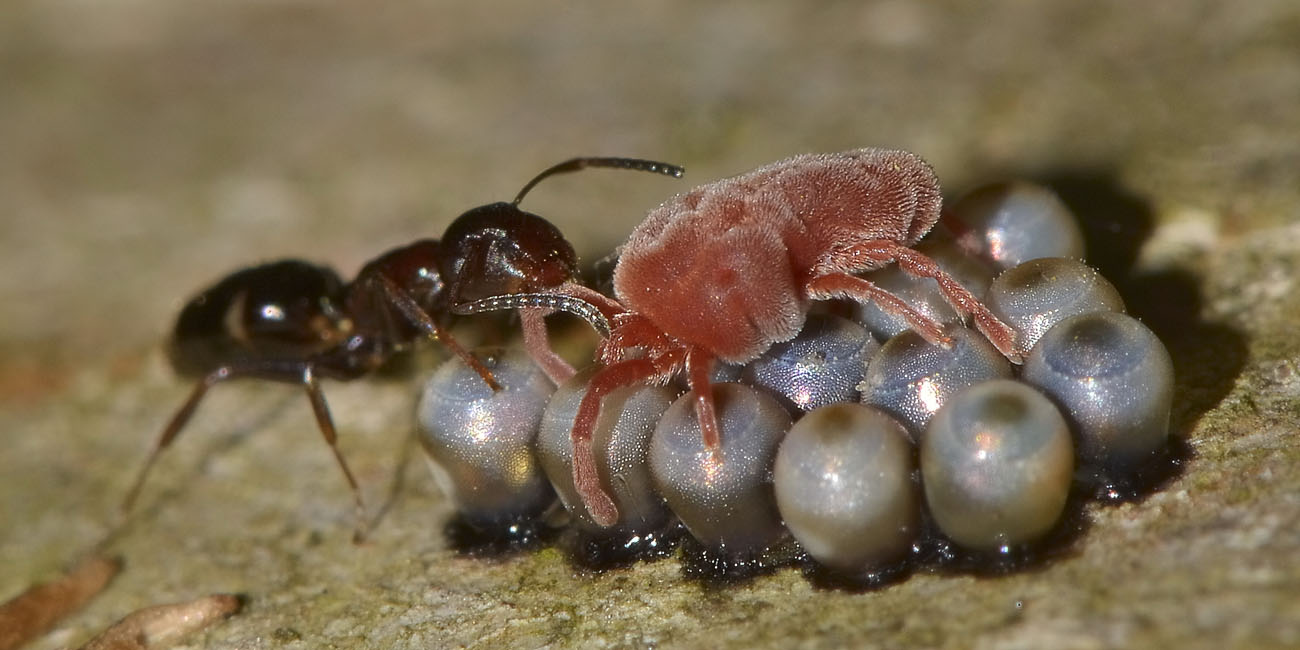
(575, 164)
(571, 304)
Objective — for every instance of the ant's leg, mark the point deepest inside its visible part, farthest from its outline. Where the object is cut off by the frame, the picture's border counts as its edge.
(533, 323)
(920, 265)
(413, 313)
(326, 424)
(290, 372)
(698, 365)
(585, 478)
(843, 285)
(174, 427)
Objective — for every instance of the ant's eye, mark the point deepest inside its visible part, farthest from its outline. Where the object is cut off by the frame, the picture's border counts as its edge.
(272, 312)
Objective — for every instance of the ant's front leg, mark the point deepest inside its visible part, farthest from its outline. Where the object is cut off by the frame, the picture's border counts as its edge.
(538, 345)
(417, 317)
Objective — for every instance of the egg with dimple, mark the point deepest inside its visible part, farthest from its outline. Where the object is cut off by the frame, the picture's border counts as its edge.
(910, 378)
(1033, 296)
(479, 442)
(725, 500)
(1113, 379)
(996, 463)
(845, 487)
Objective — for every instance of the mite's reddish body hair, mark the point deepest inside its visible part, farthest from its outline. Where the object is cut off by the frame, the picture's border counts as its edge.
(725, 266)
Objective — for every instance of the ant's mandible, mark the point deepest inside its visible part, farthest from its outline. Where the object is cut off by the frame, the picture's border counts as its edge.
(294, 322)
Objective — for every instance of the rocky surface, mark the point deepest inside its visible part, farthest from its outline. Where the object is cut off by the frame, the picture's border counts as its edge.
(151, 146)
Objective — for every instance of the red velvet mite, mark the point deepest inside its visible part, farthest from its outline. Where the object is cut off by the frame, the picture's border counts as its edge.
(728, 269)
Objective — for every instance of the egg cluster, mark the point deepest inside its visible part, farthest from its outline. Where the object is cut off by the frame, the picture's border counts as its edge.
(862, 457)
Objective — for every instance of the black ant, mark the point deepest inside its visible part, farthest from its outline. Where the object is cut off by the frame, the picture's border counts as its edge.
(293, 322)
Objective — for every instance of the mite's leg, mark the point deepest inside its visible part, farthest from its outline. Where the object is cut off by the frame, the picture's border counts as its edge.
(658, 367)
(585, 477)
(533, 322)
(631, 331)
(413, 313)
(698, 365)
(919, 265)
(842, 285)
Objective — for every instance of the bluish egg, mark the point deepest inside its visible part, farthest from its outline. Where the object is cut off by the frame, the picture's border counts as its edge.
(1114, 381)
(726, 500)
(621, 441)
(480, 443)
(822, 365)
(845, 487)
(1033, 296)
(1009, 223)
(910, 378)
(997, 463)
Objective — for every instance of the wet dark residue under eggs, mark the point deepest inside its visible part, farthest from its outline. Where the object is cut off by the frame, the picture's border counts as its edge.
(1094, 396)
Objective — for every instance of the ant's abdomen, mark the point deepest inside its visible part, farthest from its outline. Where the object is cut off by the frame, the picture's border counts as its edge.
(285, 309)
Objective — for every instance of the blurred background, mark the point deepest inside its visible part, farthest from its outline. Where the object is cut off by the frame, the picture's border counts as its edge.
(148, 147)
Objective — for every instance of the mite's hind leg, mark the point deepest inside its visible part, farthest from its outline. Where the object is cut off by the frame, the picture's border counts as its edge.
(843, 285)
(920, 265)
(585, 477)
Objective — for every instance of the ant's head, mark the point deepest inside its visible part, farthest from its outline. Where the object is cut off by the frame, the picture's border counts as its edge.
(499, 249)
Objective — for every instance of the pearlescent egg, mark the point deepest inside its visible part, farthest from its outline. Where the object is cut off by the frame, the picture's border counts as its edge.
(823, 364)
(1114, 381)
(1009, 223)
(480, 443)
(845, 487)
(621, 441)
(923, 294)
(910, 378)
(1033, 296)
(997, 463)
(726, 502)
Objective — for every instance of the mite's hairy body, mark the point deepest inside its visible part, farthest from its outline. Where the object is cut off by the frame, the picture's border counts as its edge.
(724, 267)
